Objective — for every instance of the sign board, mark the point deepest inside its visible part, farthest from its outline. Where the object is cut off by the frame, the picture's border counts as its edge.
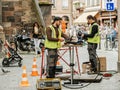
(110, 5)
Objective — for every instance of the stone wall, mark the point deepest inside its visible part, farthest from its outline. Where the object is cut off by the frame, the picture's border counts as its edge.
(18, 15)
(2, 34)
(46, 12)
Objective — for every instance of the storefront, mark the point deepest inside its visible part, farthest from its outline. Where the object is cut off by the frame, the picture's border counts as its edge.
(82, 19)
(107, 16)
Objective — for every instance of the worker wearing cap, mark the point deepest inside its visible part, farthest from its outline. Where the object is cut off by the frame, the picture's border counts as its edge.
(52, 43)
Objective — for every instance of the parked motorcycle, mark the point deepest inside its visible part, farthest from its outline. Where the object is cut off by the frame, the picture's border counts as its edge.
(24, 42)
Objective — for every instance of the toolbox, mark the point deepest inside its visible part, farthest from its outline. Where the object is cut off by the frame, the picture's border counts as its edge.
(48, 84)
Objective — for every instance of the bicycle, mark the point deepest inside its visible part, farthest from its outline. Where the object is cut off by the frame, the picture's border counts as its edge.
(111, 44)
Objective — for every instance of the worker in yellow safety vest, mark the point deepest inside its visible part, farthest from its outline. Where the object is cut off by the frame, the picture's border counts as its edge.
(93, 39)
(52, 42)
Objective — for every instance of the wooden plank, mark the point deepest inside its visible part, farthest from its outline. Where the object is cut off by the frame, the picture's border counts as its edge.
(102, 63)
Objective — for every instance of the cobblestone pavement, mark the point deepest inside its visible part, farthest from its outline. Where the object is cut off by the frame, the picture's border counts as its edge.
(11, 80)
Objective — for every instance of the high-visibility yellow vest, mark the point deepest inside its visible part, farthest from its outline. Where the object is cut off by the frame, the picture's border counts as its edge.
(96, 38)
(53, 44)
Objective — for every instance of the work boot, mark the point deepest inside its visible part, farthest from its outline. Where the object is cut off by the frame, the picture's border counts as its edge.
(93, 71)
(51, 73)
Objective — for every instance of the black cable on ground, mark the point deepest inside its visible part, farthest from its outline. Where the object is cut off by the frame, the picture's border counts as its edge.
(70, 86)
(79, 86)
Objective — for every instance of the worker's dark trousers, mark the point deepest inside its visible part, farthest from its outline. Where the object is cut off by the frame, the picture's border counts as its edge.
(92, 56)
(52, 58)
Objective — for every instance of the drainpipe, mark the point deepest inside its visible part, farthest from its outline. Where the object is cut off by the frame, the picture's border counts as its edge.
(71, 12)
(39, 13)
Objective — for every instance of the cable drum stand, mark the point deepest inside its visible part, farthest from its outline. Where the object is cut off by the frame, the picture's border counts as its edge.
(71, 63)
(72, 84)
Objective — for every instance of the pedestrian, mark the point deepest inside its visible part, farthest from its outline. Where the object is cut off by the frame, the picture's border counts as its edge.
(52, 43)
(36, 35)
(113, 34)
(93, 40)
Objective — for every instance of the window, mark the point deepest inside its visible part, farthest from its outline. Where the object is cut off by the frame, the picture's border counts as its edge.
(98, 2)
(77, 5)
(88, 3)
(54, 4)
(93, 2)
(64, 3)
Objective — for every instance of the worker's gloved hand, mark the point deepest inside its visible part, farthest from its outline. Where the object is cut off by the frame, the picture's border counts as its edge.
(67, 40)
(61, 39)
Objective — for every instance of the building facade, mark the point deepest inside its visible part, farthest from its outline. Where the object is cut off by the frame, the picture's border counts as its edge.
(97, 8)
(63, 8)
(108, 17)
(91, 7)
(21, 14)
(16, 15)
(78, 8)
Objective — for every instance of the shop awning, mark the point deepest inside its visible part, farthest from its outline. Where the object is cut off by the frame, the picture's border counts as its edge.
(82, 19)
(108, 17)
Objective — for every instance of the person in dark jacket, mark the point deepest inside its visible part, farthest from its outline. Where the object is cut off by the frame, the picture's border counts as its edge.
(36, 33)
(93, 39)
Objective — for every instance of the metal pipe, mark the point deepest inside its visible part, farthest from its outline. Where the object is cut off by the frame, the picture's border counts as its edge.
(39, 13)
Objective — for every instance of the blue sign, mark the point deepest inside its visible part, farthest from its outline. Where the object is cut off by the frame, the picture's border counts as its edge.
(110, 7)
(109, 0)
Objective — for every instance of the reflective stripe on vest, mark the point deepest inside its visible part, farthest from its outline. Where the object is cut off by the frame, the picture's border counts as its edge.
(96, 38)
(53, 44)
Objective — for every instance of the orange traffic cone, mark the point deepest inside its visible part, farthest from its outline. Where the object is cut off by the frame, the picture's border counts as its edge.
(24, 81)
(58, 63)
(59, 67)
(34, 68)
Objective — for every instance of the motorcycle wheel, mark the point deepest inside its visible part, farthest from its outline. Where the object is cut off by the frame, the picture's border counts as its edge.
(5, 62)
